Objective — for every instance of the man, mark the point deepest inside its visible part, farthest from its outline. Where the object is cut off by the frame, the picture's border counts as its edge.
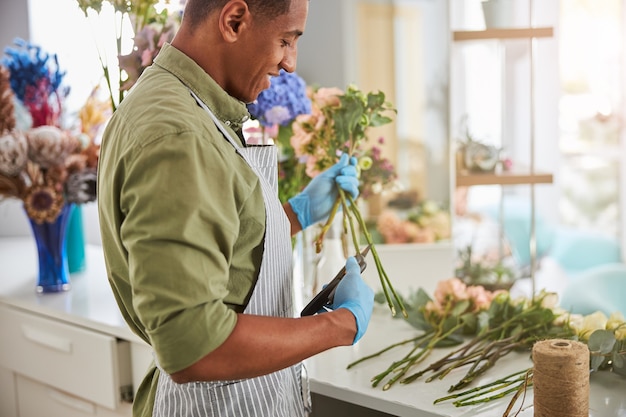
(196, 242)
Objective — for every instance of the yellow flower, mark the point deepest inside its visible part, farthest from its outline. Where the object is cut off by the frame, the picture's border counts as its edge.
(617, 324)
(591, 323)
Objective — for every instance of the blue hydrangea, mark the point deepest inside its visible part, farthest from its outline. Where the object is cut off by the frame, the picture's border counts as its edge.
(28, 64)
(284, 100)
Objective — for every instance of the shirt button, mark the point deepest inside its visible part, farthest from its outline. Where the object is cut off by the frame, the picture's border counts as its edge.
(244, 119)
(227, 122)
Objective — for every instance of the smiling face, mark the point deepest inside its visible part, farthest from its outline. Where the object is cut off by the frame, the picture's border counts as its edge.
(264, 46)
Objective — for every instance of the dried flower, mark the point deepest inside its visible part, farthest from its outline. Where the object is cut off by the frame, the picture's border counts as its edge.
(44, 165)
(36, 80)
(80, 187)
(7, 111)
(43, 203)
(13, 153)
(49, 145)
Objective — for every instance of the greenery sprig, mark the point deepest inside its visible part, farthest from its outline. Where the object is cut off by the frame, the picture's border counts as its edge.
(482, 327)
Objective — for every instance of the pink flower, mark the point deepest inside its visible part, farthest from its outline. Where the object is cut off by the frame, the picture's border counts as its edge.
(301, 136)
(327, 96)
(451, 289)
(480, 297)
(312, 169)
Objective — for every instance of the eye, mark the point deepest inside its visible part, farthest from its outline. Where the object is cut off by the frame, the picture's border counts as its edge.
(285, 43)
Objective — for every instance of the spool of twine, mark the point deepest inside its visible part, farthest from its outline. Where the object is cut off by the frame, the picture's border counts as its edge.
(561, 378)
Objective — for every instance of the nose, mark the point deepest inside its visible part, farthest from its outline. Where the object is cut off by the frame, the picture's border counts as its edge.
(289, 59)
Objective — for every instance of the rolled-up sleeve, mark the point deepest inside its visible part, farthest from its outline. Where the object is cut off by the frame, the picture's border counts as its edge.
(181, 201)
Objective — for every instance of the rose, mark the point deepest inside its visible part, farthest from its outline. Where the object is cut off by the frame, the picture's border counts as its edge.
(591, 323)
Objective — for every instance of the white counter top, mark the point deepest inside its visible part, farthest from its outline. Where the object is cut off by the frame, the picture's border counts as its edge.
(90, 304)
(329, 377)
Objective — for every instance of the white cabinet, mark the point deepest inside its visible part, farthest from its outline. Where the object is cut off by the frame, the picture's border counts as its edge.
(65, 357)
(35, 399)
(68, 354)
(58, 369)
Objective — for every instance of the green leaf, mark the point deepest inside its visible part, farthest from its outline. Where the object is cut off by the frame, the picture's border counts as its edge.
(470, 321)
(601, 341)
(596, 362)
(460, 308)
(619, 368)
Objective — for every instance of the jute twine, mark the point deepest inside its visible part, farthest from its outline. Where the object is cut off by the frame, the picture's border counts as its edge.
(561, 378)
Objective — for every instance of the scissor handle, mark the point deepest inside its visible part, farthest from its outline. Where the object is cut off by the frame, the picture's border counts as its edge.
(325, 296)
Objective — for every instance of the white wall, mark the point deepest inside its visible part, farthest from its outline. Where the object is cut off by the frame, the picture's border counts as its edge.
(48, 28)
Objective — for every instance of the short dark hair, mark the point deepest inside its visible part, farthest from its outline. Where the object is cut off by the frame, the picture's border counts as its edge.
(196, 11)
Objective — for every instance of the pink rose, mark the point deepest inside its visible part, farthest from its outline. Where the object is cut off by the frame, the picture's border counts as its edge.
(452, 288)
(480, 297)
(327, 96)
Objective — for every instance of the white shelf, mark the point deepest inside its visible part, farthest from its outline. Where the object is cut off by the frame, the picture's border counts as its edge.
(502, 34)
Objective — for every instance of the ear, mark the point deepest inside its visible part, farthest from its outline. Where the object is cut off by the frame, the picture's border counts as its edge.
(234, 16)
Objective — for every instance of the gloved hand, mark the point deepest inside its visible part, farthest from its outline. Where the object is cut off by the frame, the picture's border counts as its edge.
(355, 295)
(314, 203)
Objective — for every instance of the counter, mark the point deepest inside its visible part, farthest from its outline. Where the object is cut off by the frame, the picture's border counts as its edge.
(90, 304)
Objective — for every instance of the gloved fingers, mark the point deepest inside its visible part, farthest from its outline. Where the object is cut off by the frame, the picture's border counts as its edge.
(349, 185)
(352, 266)
(343, 162)
(348, 171)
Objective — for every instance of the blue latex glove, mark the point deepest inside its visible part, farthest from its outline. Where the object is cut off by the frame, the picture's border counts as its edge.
(355, 295)
(314, 203)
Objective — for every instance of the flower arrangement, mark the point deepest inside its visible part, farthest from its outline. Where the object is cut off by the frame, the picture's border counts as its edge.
(488, 270)
(275, 109)
(481, 327)
(425, 222)
(313, 141)
(44, 165)
(151, 29)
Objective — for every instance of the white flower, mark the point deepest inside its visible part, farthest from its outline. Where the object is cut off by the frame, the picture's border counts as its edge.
(617, 323)
(591, 323)
(550, 300)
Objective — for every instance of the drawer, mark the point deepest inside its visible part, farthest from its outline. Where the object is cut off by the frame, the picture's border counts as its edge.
(51, 402)
(88, 364)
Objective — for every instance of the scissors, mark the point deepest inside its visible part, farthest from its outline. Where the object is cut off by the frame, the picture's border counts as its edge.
(325, 297)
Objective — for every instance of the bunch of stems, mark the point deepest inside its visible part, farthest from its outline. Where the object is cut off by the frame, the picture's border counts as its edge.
(351, 213)
(479, 354)
(516, 384)
(423, 345)
(483, 351)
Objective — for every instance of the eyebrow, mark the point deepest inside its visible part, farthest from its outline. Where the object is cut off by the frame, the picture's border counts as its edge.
(295, 32)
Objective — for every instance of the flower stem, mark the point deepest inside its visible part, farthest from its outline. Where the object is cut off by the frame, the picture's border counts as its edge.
(380, 352)
(382, 274)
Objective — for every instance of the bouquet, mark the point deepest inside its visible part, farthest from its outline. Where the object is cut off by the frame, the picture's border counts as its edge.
(45, 165)
(150, 31)
(312, 142)
(425, 222)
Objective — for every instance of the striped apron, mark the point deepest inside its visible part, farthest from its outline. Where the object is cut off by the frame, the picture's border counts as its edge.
(279, 394)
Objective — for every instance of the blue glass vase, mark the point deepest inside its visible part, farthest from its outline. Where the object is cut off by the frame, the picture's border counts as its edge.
(54, 275)
(75, 237)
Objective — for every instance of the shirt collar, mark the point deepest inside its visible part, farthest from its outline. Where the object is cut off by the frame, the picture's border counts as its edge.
(227, 109)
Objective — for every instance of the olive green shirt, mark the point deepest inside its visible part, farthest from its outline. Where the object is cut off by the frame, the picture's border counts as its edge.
(181, 215)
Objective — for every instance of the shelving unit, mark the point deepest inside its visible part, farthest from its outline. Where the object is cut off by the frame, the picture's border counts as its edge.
(502, 34)
(503, 178)
(528, 176)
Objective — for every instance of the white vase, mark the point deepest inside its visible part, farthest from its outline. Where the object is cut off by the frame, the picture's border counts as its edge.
(500, 14)
(332, 257)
